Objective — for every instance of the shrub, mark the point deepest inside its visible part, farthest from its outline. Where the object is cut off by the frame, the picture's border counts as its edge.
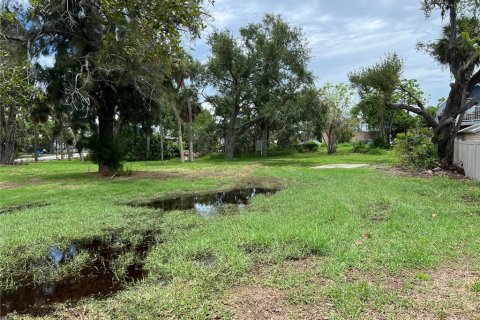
(380, 143)
(360, 147)
(310, 146)
(416, 151)
(363, 147)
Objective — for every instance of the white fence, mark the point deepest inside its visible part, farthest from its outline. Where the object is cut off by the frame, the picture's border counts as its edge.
(467, 155)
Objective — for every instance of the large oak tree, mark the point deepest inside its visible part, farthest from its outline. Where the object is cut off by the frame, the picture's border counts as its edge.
(455, 49)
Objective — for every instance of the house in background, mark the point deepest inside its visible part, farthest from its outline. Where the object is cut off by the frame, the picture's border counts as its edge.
(467, 142)
(472, 116)
(363, 133)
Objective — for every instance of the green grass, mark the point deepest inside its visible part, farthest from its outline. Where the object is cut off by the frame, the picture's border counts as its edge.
(412, 224)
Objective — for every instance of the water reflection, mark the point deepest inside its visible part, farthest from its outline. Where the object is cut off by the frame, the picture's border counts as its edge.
(206, 204)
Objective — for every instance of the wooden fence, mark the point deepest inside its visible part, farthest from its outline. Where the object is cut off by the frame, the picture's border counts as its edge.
(467, 155)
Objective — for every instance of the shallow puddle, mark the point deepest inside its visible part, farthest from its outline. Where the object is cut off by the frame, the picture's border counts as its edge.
(97, 280)
(206, 204)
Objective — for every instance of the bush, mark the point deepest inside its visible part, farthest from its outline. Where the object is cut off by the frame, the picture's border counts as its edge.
(380, 143)
(310, 146)
(360, 147)
(363, 147)
(416, 151)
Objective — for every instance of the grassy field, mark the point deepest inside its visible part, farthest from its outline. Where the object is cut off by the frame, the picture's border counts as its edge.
(369, 243)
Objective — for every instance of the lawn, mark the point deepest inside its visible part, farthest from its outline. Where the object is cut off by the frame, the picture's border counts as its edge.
(364, 243)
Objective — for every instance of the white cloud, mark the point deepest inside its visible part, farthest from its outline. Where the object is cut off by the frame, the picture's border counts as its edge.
(366, 25)
(345, 35)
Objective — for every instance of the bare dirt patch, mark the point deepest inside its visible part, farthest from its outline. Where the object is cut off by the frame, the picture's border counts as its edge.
(262, 298)
(5, 185)
(257, 303)
(342, 166)
(398, 171)
(185, 173)
(446, 292)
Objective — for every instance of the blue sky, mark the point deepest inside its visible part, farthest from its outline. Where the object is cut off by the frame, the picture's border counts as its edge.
(345, 35)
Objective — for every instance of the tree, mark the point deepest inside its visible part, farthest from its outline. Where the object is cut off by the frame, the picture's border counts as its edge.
(303, 118)
(39, 114)
(16, 92)
(281, 58)
(337, 102)
(104, 47)
(457, 50)
(256, 77)
(228, 71)
(183, 99)
(378, 86)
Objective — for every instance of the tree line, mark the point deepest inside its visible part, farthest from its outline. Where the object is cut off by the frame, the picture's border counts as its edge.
(122, 85)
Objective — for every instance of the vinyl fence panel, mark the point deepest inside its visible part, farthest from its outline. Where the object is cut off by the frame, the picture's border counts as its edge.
(467, 155)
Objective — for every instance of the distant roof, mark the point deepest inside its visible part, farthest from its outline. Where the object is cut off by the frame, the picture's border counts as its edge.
(475, 93)
(472, 129)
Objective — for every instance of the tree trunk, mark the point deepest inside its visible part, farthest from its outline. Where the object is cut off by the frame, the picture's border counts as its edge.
(8, 154)
(180, 141)
(106, 115)
(162, 137)
(180, 135)
(149, 141)
(445, 142)
(69, 156)
(230, 146)
(382, 127)
(445, 133)
(264, 139)
(2, 128)
(35, 137)
(231, 134)
(332, 141)
(390, 130)
(190, 133)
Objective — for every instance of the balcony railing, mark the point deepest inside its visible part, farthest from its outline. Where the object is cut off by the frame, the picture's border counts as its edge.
(472, 115)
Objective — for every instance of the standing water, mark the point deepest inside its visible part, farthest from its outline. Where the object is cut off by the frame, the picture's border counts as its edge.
(205, 204)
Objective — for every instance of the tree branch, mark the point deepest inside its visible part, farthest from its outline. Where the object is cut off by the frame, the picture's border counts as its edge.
(411, 95)
(470, 103)
(474, 80)
(422, 112)
(249, 123)
(12, 38)
(468, 65)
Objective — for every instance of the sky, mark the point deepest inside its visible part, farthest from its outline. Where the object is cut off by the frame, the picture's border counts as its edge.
(345, 35)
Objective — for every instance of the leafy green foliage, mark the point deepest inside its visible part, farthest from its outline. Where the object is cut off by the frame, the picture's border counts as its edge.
(363, 147)
(259, 79)
(310, 146)
(135, 148)
(206, 134)
(339, 125)
(112, 59)
(416, 151)
(360, 147)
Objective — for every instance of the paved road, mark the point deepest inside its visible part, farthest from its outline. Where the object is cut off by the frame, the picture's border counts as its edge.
(49, 158)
